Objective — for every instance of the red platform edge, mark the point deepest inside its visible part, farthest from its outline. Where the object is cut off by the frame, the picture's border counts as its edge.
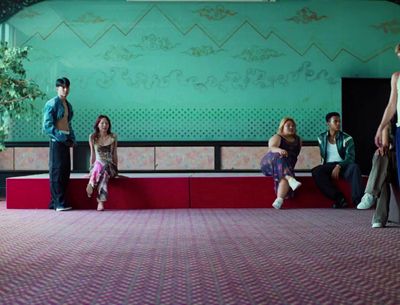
(161, 192)
(256, 192)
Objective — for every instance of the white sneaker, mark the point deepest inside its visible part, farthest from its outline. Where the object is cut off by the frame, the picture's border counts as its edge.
(278, 203)
(367, 201)
(63, 209)
(294, 184)
(377, 225)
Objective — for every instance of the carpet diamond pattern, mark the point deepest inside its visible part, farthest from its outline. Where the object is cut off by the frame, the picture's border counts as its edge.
(197, 256)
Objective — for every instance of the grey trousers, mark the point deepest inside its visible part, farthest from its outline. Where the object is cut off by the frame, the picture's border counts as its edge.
(379, 185)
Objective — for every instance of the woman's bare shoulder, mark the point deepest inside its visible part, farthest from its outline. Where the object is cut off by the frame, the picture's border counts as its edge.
(275, 137)
(92, 137)
(275, 140)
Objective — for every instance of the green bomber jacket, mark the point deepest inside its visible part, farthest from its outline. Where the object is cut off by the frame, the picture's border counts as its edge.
(344, 144)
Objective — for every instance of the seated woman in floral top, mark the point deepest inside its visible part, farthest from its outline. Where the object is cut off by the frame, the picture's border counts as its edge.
(103, 159)
(279, 162)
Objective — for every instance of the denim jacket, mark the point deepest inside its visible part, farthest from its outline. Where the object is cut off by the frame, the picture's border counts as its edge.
(344, 144)
(54, 111)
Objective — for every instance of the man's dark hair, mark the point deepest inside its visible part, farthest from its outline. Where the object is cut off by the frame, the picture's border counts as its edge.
(63, 81)
(331, 114)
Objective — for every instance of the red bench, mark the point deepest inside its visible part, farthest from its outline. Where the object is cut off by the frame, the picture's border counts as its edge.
(159, 191)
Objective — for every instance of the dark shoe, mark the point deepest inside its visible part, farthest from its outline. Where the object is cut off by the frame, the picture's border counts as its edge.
(339, 204)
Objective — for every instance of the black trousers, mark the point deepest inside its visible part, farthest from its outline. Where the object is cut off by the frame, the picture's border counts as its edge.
(59, 172)
(351, 173)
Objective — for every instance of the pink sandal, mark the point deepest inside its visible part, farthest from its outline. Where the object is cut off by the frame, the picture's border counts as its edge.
(100, 206)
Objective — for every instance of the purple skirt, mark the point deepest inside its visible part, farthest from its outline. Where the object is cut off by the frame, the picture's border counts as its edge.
(272, 164)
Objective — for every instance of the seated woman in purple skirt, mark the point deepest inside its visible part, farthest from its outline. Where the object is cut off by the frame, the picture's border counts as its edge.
(103, 159)
(279, 162)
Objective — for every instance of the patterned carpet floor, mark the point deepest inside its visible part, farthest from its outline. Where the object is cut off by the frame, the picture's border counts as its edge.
(197, 256)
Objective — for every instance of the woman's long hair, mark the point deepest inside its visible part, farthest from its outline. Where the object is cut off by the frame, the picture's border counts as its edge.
(96, 125)
(283, 122)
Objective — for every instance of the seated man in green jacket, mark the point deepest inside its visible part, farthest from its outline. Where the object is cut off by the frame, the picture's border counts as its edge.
(338, 160)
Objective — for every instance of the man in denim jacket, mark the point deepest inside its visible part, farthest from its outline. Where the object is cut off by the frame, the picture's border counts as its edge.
(338, 160)
(57, 118)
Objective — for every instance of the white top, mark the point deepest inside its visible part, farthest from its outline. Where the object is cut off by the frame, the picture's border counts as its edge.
(332, 154)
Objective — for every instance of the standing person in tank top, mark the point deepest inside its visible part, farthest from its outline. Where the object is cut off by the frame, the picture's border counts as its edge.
(283, 150)
(338, 160)
(392, 107)
(57, 125)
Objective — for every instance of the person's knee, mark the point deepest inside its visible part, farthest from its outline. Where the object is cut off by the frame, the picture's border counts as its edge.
(316, 171)
(354, 169)
(283, 182)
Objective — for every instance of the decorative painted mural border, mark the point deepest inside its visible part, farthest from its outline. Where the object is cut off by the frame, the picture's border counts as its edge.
(194, 26)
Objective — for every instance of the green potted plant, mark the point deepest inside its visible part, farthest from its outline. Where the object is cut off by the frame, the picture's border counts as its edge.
(17, 93)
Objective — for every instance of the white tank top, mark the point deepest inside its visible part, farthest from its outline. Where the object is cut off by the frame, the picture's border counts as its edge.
(332, 154)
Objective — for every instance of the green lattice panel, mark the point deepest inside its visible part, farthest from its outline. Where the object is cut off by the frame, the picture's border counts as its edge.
(187, 124)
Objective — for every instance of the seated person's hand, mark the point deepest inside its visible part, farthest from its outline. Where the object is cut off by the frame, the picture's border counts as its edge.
(336, 172)
(382, 150)
(283, 153)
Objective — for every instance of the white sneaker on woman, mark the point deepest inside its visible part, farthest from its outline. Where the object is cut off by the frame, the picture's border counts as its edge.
(294, 184)
(278, 203)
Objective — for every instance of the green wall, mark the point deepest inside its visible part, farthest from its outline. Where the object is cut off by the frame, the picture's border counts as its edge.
(204, 71)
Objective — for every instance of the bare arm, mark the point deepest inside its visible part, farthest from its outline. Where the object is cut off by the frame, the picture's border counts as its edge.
(336, 172)
(273, 145)
(389, 111)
